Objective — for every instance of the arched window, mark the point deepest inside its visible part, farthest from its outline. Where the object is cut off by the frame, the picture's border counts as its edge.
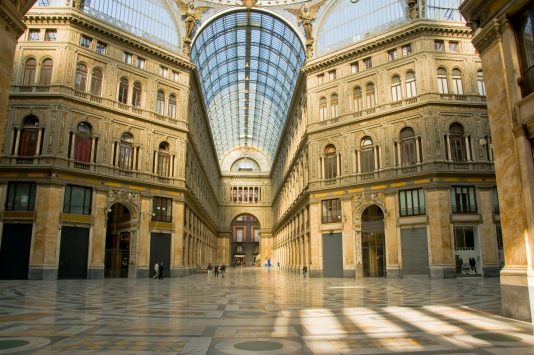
(408, 146)
(322, 108)
(333, 105)
(457, 82)
(82, 143)
(163, 162)
(80, 81)
(330, 162)
(126, 152)
(45, 77)
(96, 82)
(29, 137)
(396, 88)
(370, 98)
(29, 72)
(136, 94)
(457, 142)
(160, 102)
(411, 90)
(357, 99)
(172, 106)
(367, 155)
(443, 87)
(123, 91)
(480, 84)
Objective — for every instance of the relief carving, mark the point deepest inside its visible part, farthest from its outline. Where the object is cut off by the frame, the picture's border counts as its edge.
(132, 200)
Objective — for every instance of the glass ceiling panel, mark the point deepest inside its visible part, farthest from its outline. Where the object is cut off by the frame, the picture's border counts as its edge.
(248, 64)
(150, 19)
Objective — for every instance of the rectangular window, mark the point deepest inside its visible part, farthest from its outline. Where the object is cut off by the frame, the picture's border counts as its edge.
(101, 47)
(33, 35)
(21, 196)
(331, 211)
(85, 41)
(163, 71)
(367, 63)
(51, 35)
(320, 78)
(175, 76)
(354, 67)
(331, 75)
(453, 46)
(524, 28)
(439, 45)
(127, 57)
(407, 50)
(464, 238)
(392, 54)
(412, 202)
(463, 199)
(162, 209)
(239, 235)
(256, 234)
(77, 200)
(141, 63)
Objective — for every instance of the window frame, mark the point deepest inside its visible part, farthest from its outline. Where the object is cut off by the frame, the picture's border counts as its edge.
(409, 199)
(86, 204)
(331, 211)
(12, 196)
(463, 199)
(160, 204)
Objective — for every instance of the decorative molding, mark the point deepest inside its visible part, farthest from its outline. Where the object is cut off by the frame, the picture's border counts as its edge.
(363, 200)
(132, 200)
(488, 35)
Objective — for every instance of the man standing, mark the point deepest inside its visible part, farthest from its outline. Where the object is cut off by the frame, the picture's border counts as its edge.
(161, 269)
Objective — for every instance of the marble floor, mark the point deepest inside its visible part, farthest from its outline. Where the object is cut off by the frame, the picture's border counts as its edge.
(258, 311)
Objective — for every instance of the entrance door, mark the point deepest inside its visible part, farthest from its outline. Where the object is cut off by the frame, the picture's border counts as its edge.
(373, 242)
(332, 255)
(15, 251)
(414, 252)
(160, 250)
(73, 253)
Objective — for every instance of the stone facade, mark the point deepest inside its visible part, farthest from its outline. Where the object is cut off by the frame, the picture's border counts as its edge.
(346, 160)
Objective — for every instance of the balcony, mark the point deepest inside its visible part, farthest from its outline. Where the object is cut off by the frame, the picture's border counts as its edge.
(61, 91)
(48, 163)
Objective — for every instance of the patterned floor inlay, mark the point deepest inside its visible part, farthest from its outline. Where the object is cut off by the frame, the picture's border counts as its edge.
(258, 311)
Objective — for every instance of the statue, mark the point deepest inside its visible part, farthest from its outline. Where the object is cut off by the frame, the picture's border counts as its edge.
(249, 3)
(191, 14)
(306, 15)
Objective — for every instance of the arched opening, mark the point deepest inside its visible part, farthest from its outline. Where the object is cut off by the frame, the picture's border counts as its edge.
(373, 242)
(245, 248)
(117, 241)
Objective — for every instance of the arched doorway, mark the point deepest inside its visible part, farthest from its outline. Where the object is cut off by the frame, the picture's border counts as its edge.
(245, 247)
(373, 242)
(118, 241)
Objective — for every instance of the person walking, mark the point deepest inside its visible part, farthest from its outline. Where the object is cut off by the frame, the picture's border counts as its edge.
(305, 271)
(161, 269)
(156, 271)
(223, 269)
(216, 268)
(209, 269)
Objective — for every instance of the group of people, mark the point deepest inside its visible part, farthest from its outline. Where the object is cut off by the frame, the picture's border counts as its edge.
(216, 269)
(158, 270)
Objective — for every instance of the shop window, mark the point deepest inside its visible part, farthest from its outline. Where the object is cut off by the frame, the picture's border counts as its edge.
(77, 200)
(162, 209)
(463, 199)
(21, 196)
(331, 211)
(412, 202)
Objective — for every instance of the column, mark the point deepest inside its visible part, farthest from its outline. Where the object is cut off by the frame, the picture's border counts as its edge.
(348, 238)
(315, 240)
(322, 168)
(468, 148)
(97, 251)
(399, 155)
(134, 158)
(376, 156)
(39, 139)
(44, 254)
(380, 160)
(488, 263)
(359, 157)
(177, 239)
(72, 145)
(141, 256)
(448, 147)
(442, 264)
(417, 149)
(17, 142)
(354, 167)
(338, 157)
(93, 141)
(391, 237)
(155, 162)
(116, 144)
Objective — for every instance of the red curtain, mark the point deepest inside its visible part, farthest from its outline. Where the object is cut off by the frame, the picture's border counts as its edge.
(28, 142)
(82, 149)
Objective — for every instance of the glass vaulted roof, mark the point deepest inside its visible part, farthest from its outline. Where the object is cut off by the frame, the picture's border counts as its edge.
(248, 62)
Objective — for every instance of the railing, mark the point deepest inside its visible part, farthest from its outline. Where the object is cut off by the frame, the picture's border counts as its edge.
(61, 90)
(394, 172)
(401, 104)
(60, 163)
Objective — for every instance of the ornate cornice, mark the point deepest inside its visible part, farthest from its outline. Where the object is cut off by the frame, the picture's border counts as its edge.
(487, 35)
(79, 19)
(359, 50)
(12, 11)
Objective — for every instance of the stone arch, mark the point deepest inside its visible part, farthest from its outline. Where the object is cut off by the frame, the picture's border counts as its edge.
(131, 200)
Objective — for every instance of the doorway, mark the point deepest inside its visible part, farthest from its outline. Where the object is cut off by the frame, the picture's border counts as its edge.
(117, 241)
(73, 253)
(15, 251)
(160, 251)
(373, 242)
(332, 255)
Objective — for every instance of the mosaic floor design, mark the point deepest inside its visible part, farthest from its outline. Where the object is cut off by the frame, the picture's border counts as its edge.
(258, 311)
